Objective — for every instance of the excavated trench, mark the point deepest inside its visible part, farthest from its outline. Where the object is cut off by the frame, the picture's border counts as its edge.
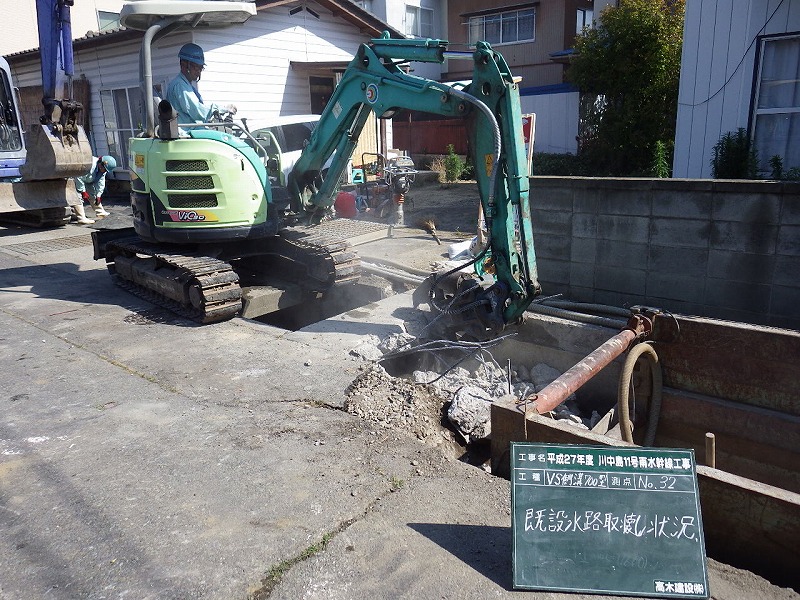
(341, 299)
(440, 390)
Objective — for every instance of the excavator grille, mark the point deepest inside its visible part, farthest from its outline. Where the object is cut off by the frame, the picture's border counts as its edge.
(192, 200)
(190, 182)
(187, 165)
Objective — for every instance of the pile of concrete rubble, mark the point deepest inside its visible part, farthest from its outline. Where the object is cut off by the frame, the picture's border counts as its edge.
(416, 402)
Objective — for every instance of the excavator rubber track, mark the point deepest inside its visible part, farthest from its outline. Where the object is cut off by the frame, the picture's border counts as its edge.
(57, 216)
(329, 260)
(201, 288)
(206, 289)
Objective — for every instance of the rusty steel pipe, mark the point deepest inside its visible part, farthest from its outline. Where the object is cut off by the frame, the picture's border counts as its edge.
(559, 390)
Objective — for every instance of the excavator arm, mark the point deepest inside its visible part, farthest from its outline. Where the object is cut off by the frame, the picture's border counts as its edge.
(375, 82)
(57, 147)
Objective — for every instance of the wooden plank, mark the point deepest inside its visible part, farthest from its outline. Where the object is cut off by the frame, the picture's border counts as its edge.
(751, 525)
(746, 363)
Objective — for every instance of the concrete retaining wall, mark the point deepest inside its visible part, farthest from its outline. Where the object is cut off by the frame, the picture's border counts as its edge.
(721, 249)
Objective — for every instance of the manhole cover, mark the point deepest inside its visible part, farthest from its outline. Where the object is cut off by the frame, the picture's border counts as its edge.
(42, 246)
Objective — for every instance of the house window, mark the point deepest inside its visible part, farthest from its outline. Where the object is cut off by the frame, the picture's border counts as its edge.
(107, 20)
(777, 104)
(419, 21)
(503, 27)
(123, 117)
(365, 4)
(584, 20)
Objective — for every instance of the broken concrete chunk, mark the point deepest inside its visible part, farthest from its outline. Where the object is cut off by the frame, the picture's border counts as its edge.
(424, 376)
(469, 412)
(394, 342)
(367, 349)
(543, 374)
(523, 389)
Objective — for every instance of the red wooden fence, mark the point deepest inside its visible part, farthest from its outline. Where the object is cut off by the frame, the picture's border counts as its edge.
(430, 137)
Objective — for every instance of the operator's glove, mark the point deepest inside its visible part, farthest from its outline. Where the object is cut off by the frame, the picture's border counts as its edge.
(85, 196)
(230, 108)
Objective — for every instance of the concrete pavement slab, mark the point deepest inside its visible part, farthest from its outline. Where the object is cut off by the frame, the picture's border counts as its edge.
(143, 456)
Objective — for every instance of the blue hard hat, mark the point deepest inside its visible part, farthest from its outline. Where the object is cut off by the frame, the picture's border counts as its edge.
(193, 53)
(109, 162)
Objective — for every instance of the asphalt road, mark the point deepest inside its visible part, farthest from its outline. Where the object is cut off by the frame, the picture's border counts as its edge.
(142, 456)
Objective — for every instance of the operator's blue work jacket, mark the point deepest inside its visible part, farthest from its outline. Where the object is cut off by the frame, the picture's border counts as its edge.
(188, 103)
(94, 182)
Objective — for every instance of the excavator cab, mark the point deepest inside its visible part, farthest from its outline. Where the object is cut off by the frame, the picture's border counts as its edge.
(12, 146)
(202, 183)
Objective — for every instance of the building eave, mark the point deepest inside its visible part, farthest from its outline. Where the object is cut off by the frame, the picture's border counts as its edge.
(349, 11)
(367, 23)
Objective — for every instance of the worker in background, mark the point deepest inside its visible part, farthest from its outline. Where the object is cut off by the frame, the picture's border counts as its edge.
(91, 187)
(183, 93)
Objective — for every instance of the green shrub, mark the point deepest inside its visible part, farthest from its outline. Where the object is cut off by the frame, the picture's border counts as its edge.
(776, 164)
(563, 165)
(454, 165)
(778, 174)
(660, 161)
(733, 156)
(792, 174)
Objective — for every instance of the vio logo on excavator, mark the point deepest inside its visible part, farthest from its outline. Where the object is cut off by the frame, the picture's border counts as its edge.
(185, 216)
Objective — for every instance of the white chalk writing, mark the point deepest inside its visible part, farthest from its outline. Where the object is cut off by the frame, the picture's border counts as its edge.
(617, 461)
(553, 520)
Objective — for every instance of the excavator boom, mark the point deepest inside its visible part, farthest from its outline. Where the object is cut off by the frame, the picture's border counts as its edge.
(376, 82)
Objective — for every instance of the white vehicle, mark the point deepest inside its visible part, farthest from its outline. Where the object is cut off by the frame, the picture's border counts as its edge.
(284, 140)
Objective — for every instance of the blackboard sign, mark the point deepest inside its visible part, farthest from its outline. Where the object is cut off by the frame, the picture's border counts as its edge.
(605, 519)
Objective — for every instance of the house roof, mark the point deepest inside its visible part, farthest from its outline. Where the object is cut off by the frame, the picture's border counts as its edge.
(368, 23)
(349, 11)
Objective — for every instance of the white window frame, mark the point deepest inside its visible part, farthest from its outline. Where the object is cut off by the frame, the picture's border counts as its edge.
(416, 27)
(105, 15)
(771, 111)
(476, 26)
(584, 19)
(121, 120)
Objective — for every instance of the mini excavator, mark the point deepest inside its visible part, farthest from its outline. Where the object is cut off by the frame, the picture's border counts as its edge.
(209, 201)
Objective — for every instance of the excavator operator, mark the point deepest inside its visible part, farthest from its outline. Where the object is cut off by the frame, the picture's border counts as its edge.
(183, 93)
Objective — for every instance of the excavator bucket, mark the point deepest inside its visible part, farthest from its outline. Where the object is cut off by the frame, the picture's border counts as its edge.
(53, 156)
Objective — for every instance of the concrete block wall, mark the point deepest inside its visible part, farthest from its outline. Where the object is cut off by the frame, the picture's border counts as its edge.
(714, 248)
